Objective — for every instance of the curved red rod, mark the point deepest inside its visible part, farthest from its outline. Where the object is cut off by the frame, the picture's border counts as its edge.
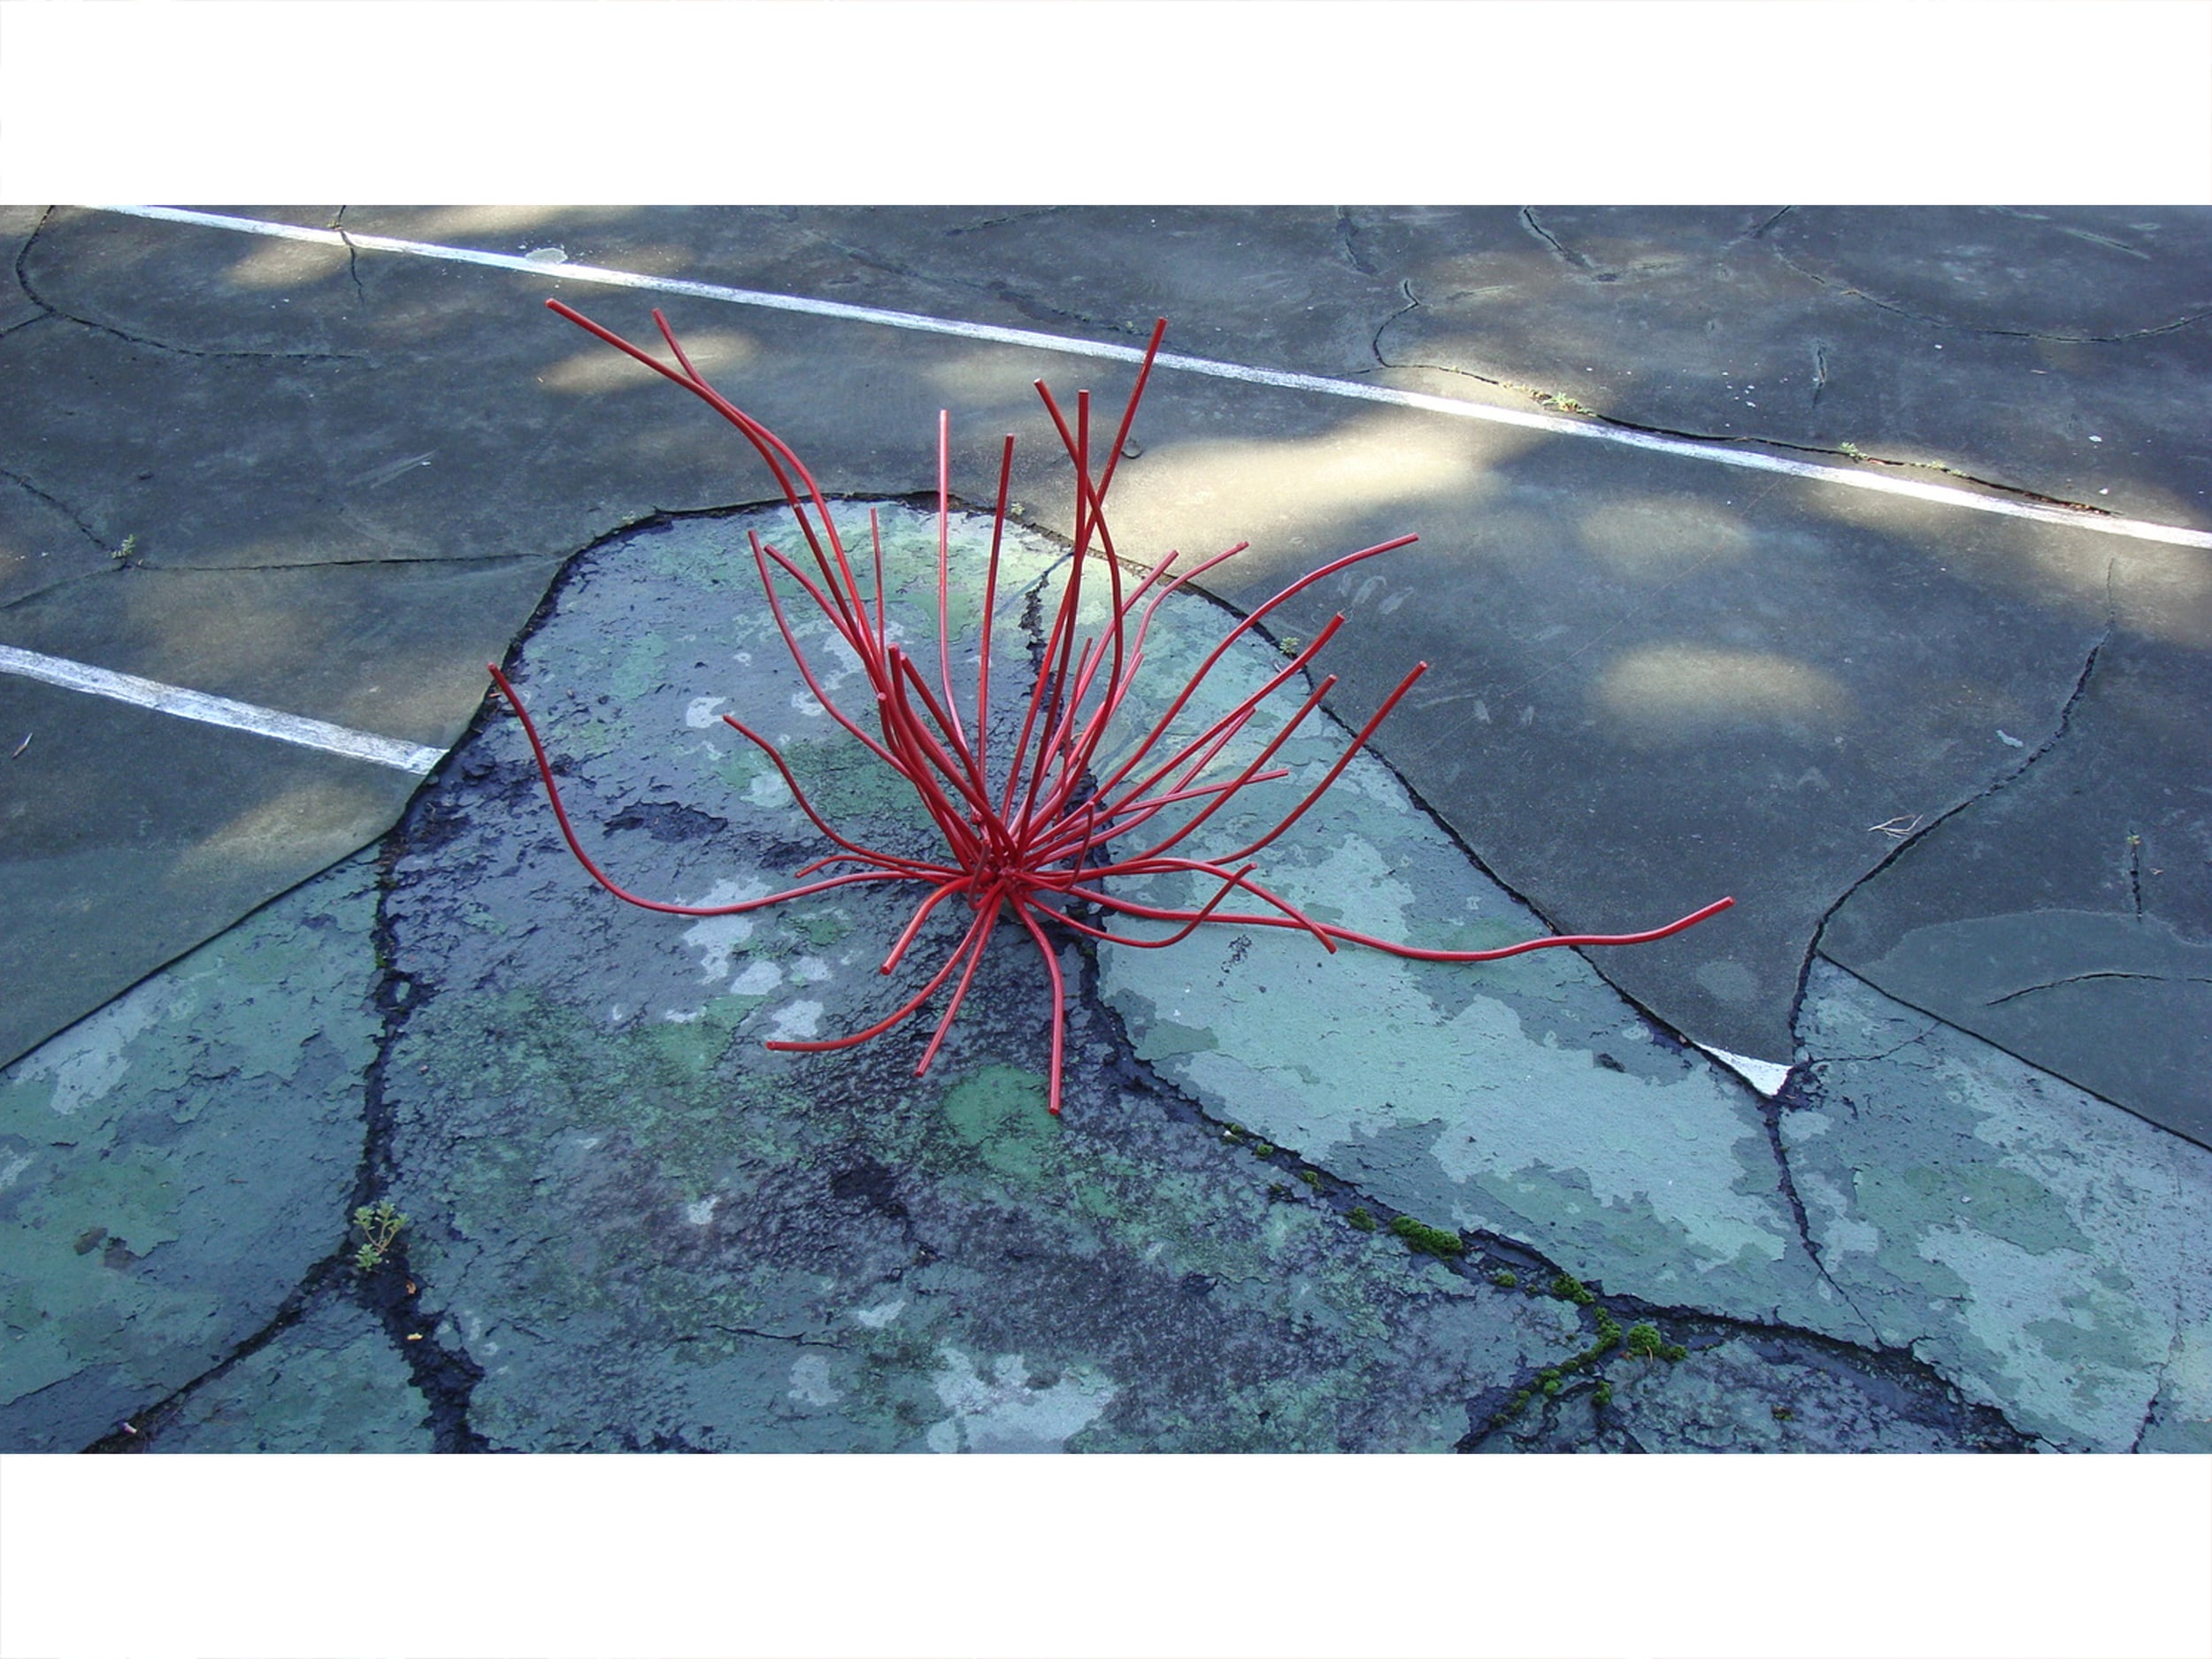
(568, 834)
(825, 1045)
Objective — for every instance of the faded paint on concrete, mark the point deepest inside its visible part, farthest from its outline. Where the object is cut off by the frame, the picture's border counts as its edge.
(2046, 1253)
(330, 1382)
(1524, 1098)
(173, 1165)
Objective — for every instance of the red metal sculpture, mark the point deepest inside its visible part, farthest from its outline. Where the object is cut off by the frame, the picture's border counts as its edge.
(1029, 833)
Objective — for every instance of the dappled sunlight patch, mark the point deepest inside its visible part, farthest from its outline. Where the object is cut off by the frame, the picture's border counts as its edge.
(1668, 693)
(588, 372)
(273, 832)
(1660, 538)
(288, 264)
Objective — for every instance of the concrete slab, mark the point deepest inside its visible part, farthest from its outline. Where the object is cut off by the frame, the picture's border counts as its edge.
(1889, 724)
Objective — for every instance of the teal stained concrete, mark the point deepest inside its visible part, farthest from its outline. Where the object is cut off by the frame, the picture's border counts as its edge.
(2045, 1253)
(172, 1166)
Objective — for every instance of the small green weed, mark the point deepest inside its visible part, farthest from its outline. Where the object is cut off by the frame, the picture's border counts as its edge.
(1312, 1178)
(380, 1224)
(1505, 1278)
(130, 542)
(1567, 1287)
(1360, 1218)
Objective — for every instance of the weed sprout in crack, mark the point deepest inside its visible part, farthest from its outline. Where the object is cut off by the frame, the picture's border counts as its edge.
(1030, 834)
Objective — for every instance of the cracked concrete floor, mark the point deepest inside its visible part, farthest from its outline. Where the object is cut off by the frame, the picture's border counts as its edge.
(1732, 679)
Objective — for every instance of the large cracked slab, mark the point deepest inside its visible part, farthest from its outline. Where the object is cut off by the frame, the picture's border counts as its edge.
(2064, 915)
(648, 1231)
(644, 1229)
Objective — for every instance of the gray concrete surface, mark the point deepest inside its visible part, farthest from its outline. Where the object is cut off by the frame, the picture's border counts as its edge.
(1947, 760)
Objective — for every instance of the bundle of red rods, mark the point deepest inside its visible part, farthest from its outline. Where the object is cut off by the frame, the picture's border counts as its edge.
(1045, 828)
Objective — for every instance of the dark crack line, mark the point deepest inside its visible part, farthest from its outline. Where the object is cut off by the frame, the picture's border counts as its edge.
(1771, 1115)
(1413, 303)
(1558, 401)
(2158, 1383)
(138, 1430)
(1984, 331)
(993, 223)
(111, 568)
(2070, 230)
(468, 559)
(1348, 244)
(1580, 261)
(1759, 231)
(353, 258)
(60, 506)
(1922, 1035)
(995, 288)
(766, 1336)
(23, 281)
(28, 322)
(1984, 1427)
(2077, 978)
(23, 276)
(445, 1377)
(2058, 733)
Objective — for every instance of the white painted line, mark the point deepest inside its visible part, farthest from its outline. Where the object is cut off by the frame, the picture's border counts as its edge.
(197, 705)
(1748, 460)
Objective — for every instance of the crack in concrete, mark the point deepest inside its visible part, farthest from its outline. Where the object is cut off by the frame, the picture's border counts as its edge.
(23, 277)
(1771, 1115)
(770, 1336)
(23, 281)
(2077, 978)
(60, 506)
(1488, 1252)
(1021, 216)
(353, 258)
(1922, 1035)
(138, 1432)
(2058, 732)
(1347, 245)
(1580, 261)
(1894, 308)
(2071, 230)
(2158, 1379)
(997, 289)
(1557, 402)
(446, 1379)
(1413, 303)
